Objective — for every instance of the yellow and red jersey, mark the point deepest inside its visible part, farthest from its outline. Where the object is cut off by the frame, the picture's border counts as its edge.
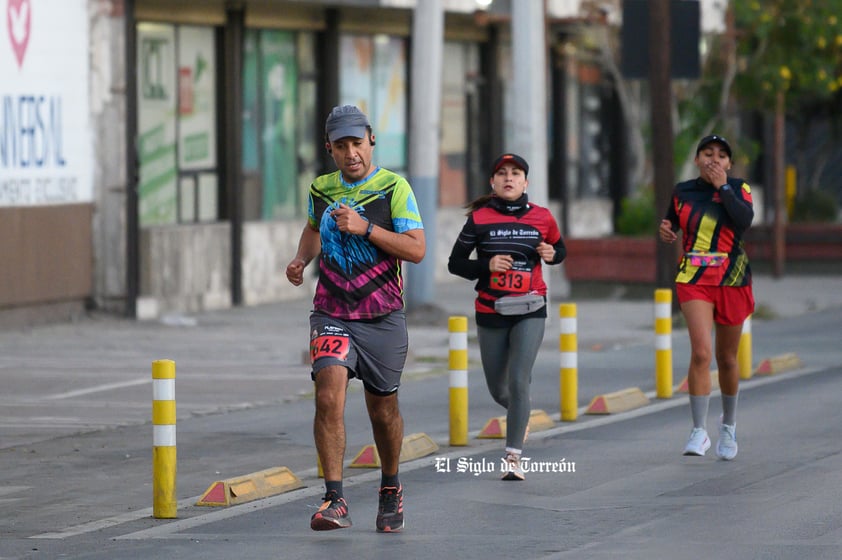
(713, 222)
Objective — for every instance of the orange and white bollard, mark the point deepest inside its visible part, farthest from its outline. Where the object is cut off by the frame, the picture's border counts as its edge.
(458, 365)
(663, 343)
(164, 503)
(569, 372)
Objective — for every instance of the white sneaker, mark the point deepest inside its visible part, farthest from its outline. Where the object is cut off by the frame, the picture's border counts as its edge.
(726, 447)
(512, 470)
(698, 443)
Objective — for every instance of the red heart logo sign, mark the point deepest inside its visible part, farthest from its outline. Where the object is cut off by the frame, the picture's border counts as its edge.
(18, 21)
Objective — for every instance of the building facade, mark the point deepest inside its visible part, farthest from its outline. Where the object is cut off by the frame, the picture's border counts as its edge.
(155, 156)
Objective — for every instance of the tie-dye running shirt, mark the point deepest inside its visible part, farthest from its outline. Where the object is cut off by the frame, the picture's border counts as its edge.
(357, 280)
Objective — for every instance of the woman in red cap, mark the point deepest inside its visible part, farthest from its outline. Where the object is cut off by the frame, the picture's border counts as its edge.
(512, 237)
(713, 284)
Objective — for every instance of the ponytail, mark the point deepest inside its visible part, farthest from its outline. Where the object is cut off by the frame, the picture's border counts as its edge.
(478, 203)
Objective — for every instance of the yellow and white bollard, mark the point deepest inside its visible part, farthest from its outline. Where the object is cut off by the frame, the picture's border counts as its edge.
(164, 503)
(744, 357)
(663, 343)
(458, 365)
(569, 373)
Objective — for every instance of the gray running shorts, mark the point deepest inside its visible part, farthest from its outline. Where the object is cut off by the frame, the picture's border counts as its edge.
(373, 350)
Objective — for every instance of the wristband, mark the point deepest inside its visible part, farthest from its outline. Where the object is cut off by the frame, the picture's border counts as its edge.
(369, 230)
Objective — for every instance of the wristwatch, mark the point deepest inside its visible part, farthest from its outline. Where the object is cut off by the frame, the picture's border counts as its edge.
(369, 230)
(725, 187)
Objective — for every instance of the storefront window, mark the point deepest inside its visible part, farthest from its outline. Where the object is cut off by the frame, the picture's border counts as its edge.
(458, 87)
(373, 77)
(177, 151)
(197, 160)
(277, 97)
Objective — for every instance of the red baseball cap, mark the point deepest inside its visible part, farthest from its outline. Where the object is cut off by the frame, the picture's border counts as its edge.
(514, 159)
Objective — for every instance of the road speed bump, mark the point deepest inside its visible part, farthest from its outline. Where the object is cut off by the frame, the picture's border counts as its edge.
(413, 446)
(496, 427)
(247, 488)
(367, 458)
(779, 364)
(684, 386)
(618, 401)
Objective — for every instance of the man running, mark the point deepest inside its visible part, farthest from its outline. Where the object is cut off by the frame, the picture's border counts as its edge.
(363, 221)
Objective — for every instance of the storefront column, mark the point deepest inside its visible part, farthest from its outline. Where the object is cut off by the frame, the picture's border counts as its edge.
(232, 140)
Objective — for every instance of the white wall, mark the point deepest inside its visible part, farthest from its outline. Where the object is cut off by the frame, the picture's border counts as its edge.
(45, 134)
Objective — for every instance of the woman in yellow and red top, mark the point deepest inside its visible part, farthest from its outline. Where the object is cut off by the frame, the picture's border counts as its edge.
(713, 284)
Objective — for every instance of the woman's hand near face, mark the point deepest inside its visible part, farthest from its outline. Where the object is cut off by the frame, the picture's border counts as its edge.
(714, 173)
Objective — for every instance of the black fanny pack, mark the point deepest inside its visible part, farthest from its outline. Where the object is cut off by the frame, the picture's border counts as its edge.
(519, 305)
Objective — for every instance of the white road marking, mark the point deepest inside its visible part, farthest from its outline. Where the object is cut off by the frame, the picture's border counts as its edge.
(99, 389)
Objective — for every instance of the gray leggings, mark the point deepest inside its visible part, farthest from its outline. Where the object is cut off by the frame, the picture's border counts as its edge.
(508, 355)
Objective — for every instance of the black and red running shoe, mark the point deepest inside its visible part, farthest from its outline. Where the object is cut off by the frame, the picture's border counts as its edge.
(390, 510)
(333, 514)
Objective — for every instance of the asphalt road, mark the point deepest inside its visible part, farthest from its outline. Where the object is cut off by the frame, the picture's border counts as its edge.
(632, 495)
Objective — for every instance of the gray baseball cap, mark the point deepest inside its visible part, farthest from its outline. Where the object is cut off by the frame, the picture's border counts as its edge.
(345, 121)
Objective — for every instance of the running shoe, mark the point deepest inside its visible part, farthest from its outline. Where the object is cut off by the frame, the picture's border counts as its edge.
(333, 514)
(512, 469)
(726, 447)
(698, 443)
(390, 510)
